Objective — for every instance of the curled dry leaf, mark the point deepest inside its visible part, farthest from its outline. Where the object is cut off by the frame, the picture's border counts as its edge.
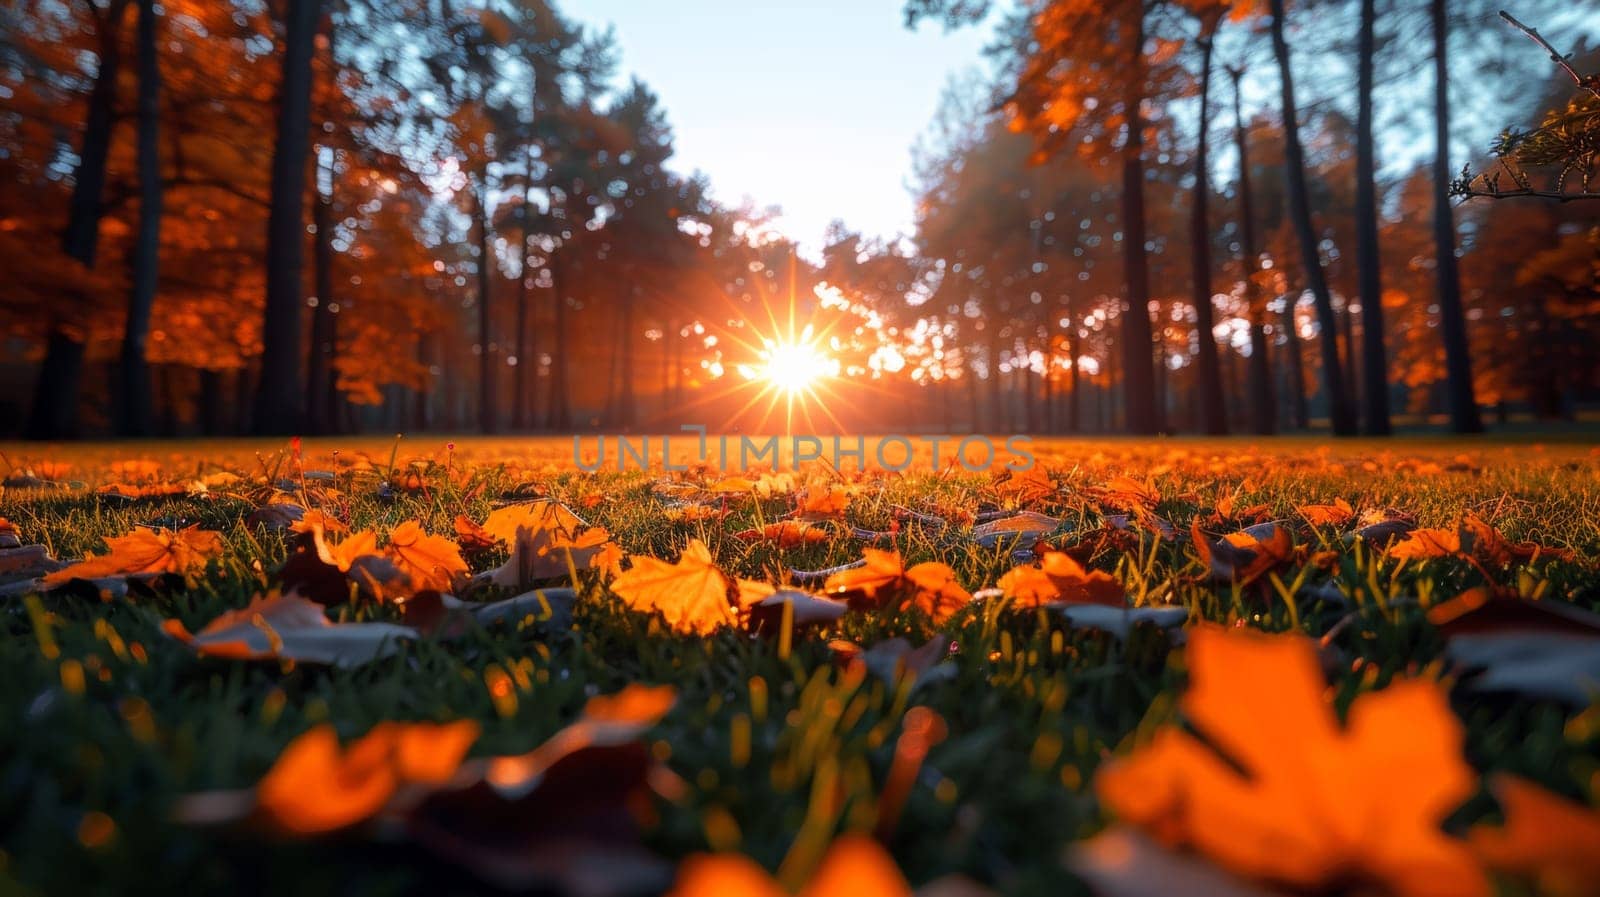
(288, 627)
(550, 553)
(806, 609)
(1119, 621)
(317, 787)
(895, 658)
(1547, 841)
(1279, 792)
(1247, 555)
(1056, 577)
(1022, 528)
(503, 523)
(146, 551)
(433, 613)
(561, 818)
(1545, 649)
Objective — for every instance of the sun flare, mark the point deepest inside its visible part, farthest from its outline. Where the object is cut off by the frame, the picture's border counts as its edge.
(792, 366)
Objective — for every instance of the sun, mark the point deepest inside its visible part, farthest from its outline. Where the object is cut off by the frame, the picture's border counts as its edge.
(793, 366)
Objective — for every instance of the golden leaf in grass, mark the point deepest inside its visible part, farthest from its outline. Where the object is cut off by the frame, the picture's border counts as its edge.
(884, 582)
(431, 562)
(1279, 791)
(146, 551)
(1059, 578)
(1337, 514)
(693, 595)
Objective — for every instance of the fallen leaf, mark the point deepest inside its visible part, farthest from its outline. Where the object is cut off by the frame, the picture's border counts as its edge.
(1278, 791)
(1547, 840)
(315, 787)
(787, 533)
(145, 551)
(1247, 555)
(692, 595)
(885, 582)
(550, 553)
(854, 865)
(1119, 621)
(287, 627)
(1337, 514)
(430, 562)
(1025, 527)
(805, 608)
(1058, 578)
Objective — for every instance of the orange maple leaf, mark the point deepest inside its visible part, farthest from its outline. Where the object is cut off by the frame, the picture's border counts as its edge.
(1059, 578)
(854, 865)
(316, 787)
(1336, 514)
(1548, 840)
(431, 562)
(693, 595)
(1294, 798)
(886, 582)
(147, 551)
(822, 501)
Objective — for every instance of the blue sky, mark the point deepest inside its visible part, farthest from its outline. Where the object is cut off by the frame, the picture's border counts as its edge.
(812, 106)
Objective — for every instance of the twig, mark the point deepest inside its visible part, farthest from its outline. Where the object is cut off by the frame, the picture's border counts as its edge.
(1590, 84)
(1527, 191)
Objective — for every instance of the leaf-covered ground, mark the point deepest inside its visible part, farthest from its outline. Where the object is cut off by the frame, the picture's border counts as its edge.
(984, 764)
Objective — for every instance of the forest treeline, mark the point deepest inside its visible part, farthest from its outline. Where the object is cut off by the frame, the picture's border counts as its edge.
(1145, 216)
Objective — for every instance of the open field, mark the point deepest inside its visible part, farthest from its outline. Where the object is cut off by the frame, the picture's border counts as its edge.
(986, 762)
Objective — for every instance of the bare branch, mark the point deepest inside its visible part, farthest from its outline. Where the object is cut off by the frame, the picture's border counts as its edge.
(1590, 84)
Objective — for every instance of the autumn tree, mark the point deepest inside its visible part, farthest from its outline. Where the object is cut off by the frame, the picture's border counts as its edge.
(278, 401)
(1333, 381)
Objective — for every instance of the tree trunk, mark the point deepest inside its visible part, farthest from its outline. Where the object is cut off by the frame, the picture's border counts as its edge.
(321, 381)
(278, 397)
(1340, 412)
(519, 373)
(134, 406)
(54, 412)
(1213, 416)
(560, 401)
(210, 402)
(1259, 372)
(1463, 404)
(627, 361)
(1374, 358)
(1295, 376)
(487, 412)
(1139, 385)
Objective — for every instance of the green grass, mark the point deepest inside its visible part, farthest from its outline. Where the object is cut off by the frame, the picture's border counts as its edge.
(1033, 709)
